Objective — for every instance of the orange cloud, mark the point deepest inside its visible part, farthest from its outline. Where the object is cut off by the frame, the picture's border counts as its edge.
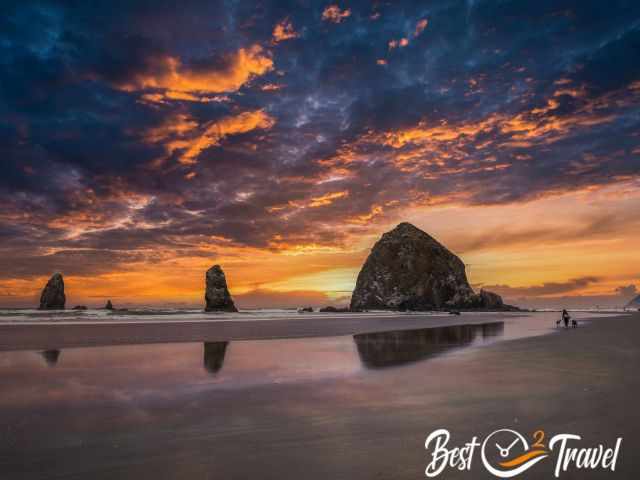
(269, 87)
(179, 133)
(437, 149)
(313, 202)
(420, 26)
(284, 31)
(364, 219)
(216, 131)
(332, 13)
(327, 199)
(182, 82)
(403, 42)
(177, 125)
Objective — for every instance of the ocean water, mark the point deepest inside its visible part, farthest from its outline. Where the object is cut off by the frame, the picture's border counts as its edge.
(172, 315)
(194, 315)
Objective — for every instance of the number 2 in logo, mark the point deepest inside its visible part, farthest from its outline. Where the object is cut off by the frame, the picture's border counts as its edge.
(538, 438)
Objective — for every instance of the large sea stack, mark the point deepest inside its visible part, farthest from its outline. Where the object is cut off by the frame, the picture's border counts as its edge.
(52, 297)
(408, 269)
(217, 297)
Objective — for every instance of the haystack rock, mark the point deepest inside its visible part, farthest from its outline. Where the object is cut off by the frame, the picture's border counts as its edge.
(109, 305)
(52, 297)
(217, 297)
(408, 269)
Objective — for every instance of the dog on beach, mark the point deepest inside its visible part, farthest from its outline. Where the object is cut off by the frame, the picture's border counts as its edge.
(558, 322)
(574, 323)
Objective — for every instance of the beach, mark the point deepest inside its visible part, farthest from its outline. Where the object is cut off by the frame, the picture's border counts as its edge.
(76, 331)
(313, 396)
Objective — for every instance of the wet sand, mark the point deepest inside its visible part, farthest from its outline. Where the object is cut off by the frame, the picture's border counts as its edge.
(60, 334)
(309, 408)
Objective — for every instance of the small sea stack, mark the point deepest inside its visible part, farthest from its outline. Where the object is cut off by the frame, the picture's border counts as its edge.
(635, 303)
(52, 297)
(217, 297)
(109, 305)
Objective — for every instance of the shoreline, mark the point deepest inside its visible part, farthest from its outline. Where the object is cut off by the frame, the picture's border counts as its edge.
(54, 335)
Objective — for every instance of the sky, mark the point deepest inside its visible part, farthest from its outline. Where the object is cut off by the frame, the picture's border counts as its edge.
(143, 142)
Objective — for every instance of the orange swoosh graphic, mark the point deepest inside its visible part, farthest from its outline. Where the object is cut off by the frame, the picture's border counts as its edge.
(523, 458)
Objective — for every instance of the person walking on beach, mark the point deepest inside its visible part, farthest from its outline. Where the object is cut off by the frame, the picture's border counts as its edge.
(565, 317)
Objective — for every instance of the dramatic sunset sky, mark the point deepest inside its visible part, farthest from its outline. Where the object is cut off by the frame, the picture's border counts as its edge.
(143, 142)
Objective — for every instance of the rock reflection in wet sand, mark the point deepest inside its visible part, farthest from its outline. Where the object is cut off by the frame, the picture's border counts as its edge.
(385, 349)
(51, 357)
(214, 353)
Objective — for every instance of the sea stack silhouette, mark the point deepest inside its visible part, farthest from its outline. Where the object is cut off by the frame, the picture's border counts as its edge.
(52, 297)
(408, 269)
(214, 355)
(217, 297)
(109, 305)
(635, 303)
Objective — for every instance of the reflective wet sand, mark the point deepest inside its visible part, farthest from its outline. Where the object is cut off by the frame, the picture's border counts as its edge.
(397, 347)
(352, 406)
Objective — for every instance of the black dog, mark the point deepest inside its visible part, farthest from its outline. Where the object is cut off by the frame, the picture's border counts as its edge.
(574, 323)
(558, 323)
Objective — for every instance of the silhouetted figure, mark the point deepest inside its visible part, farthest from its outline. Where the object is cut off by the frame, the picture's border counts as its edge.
(565, 318)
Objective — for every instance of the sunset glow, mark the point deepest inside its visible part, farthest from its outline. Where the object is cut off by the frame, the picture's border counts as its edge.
(281, 143)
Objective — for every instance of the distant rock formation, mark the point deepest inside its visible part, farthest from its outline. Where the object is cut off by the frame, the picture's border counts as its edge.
(109, 305)
(635, 303)
(217, 297)
(408, 269)
(305, 310)
(79, 307)
(332, 309)
(52, 297)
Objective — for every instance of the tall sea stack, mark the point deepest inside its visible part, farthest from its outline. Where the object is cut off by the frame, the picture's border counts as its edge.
(408, 269)
(217, 297)
(52, 297)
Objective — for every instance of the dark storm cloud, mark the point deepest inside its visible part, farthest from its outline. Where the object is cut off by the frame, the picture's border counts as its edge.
(134, 125)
